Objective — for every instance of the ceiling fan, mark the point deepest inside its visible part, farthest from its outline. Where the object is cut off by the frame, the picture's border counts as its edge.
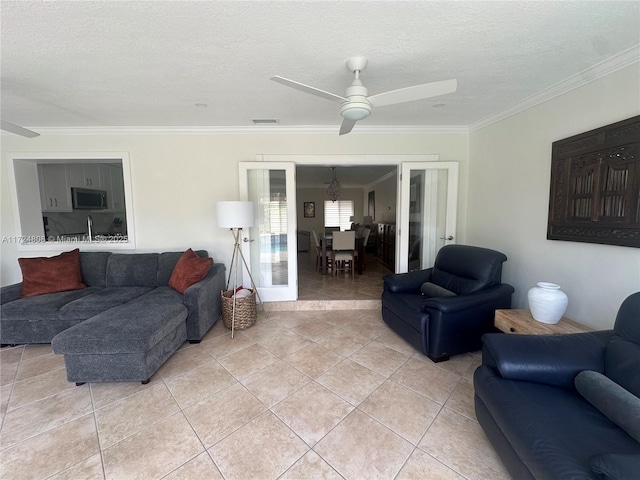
(356, 104)
(18, 130)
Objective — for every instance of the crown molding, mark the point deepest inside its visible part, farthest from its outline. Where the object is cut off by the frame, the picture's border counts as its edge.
(254, 130)
(611, 65)
(381, 179)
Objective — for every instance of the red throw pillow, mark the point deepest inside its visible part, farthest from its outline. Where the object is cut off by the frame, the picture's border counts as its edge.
(189, 269)
(51, 274)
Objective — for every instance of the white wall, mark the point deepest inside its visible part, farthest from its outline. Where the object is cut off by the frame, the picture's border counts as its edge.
(386, 194)
(508, 200)
(177, 179)
(319, 196)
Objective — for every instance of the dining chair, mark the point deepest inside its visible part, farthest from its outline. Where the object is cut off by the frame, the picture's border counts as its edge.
(318, 250)
(365, 238)
(343, 252)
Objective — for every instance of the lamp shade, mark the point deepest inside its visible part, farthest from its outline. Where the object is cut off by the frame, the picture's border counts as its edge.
(235, 214)
(352, 218)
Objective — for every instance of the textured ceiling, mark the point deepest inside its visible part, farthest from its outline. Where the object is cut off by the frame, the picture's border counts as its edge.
(129, 63)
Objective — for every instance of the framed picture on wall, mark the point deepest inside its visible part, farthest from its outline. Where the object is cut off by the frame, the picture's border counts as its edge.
(309, 209)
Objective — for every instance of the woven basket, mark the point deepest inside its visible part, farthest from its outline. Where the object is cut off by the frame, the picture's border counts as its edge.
(246, 312)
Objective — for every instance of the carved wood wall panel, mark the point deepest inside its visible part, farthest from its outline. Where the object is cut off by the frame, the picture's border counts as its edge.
(595, 186)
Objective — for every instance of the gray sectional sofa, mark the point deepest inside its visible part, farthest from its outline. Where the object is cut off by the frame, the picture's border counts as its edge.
(124, 325)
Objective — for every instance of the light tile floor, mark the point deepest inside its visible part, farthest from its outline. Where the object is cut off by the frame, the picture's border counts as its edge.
(315, 393)
(327, 394)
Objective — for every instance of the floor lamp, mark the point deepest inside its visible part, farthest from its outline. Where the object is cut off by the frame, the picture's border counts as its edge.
(236, 215)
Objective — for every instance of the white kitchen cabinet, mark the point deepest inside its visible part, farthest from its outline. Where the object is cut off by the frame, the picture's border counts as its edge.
(86, 175)
(55, 192)
(115, 195)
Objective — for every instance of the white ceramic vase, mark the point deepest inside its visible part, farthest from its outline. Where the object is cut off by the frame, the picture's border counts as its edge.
(547, 302)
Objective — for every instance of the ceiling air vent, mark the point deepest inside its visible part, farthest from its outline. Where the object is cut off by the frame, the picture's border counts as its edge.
(265, 121)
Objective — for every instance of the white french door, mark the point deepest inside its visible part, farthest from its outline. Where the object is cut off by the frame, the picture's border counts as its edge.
(270, 245)
(427, 208)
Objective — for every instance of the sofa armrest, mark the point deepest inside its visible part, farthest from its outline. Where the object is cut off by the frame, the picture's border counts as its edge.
(203, 302)
(549, 359)
(465, 302)
(10, 293)
(406, 282)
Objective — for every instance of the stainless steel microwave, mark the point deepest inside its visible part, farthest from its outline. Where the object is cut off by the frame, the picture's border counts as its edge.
(88, 199)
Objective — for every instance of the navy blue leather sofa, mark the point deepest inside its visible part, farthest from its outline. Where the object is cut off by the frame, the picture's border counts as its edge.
(414, 305)
(540, 424)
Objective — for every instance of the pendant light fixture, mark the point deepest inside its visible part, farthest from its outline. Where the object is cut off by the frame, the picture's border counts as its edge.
(334, 187)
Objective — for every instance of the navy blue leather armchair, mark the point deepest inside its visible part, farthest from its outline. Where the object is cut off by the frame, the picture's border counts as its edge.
(443, 326)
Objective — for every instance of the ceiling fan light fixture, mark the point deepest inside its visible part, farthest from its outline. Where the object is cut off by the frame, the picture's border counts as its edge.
(357, 103)
(355, 110)
(356, 113)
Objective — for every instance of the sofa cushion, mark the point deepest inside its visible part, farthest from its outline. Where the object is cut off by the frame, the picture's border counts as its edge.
(132, 270)
(35, 319)
(42, 307)
(94, 268)
(51, 274)
(167, 262)
(100, 301)
(189, 269)
(431, 290)
(616, 466)
(551, 429)
(133, 327)
(617, 404)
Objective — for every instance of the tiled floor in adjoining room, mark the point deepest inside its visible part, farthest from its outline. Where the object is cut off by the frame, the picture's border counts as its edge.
(315, 286)
(315, 393)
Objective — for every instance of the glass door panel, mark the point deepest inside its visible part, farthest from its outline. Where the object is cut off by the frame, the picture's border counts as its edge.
(270, 247)
(428, 204)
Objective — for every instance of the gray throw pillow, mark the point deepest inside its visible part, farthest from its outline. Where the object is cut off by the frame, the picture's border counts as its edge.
(613, 401)
(616, 466)
(431, 290)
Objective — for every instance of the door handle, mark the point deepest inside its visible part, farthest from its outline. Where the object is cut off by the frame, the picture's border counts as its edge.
(450, 237)
(245, 240)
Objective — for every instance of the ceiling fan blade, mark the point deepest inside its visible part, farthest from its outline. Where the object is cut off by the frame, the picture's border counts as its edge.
(10, 127)
(417, 92)
(347, 126)
(307, 89)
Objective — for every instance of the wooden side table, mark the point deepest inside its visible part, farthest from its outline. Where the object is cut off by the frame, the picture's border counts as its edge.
(521, 321)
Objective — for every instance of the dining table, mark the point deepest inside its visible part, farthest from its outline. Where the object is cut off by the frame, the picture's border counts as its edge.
(326, 241)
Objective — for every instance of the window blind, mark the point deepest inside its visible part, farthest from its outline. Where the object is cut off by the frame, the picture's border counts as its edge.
(337, 214)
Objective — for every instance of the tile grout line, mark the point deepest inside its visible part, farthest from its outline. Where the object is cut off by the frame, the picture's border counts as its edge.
(184, 415)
